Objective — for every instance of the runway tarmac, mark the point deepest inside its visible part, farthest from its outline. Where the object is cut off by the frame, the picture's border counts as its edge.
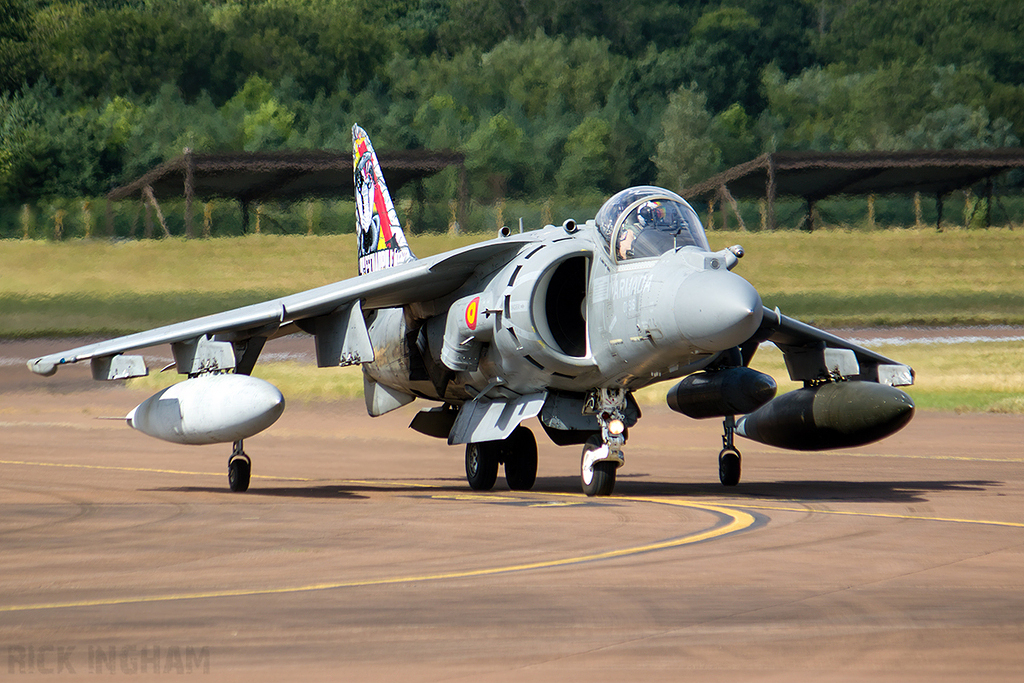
(361, 554)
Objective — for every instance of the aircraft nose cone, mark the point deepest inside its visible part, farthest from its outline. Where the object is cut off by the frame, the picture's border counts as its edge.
(717, 310)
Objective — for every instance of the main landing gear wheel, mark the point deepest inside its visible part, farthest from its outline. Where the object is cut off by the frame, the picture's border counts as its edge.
(598, 479)
(520, 459)
(482, 464)
(239, 469)
(729, 466)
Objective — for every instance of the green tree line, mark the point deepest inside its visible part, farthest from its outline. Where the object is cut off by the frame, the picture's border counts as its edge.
(544, 97)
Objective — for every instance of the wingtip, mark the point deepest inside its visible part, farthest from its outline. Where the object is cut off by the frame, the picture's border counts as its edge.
(40, 366)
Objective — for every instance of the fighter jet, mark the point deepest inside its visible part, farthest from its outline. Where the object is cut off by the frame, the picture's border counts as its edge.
(562, 323)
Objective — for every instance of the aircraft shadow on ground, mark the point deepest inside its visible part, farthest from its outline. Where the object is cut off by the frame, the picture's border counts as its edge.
(807, 490)
(793, 491)
(296, 491)
(340, 489)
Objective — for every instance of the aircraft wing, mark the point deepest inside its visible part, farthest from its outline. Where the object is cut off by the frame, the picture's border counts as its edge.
(420, 280)
(812, 354)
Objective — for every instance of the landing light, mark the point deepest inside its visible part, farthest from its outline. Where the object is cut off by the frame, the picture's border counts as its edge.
(616, 427)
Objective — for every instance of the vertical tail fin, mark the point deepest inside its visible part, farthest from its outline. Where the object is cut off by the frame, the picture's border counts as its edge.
(381, 239)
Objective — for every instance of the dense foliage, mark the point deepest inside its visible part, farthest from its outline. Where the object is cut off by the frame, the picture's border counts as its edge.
(545, 97)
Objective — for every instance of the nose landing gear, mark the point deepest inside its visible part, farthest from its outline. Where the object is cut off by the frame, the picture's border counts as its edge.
(602, 453)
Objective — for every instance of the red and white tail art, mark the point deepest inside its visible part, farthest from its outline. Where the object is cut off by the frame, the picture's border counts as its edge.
(381, 239)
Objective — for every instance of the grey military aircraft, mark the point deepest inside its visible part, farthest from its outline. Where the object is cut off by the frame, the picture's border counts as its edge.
(562, 323)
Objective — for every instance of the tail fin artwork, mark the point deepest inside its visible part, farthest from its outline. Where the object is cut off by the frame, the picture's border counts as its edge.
(381, 239)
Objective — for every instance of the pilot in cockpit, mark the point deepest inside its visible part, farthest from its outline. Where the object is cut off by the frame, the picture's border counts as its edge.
(627, 236)
(647, 215)
(646, 221)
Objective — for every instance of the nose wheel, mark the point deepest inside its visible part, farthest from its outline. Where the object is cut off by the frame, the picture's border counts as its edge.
(597, 475)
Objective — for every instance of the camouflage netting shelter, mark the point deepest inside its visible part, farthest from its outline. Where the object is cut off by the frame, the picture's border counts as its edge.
(814, 176)
(277, 176)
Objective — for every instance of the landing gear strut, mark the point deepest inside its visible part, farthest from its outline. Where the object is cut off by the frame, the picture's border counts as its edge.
(729, 458)
(239, 468)
(602, 454)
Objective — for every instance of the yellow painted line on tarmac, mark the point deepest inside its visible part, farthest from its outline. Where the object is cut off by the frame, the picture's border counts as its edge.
(738, 520)
(556, 504)
(491, 498)
(481, 497)
(886, 515)
(152, 470)
(58, 425)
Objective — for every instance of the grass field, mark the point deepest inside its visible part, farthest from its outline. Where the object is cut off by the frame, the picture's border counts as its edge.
(893, 277)
(830, 278)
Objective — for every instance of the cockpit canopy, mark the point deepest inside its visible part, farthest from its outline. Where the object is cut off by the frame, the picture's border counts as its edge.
(646, 221)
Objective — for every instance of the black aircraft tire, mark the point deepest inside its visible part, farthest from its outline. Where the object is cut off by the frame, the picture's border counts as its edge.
(602, 480)
(729, 467)
(482, 465)
(521, 460)
(239, 471)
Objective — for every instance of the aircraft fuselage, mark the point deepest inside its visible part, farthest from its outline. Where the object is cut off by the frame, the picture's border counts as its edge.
(563, 315)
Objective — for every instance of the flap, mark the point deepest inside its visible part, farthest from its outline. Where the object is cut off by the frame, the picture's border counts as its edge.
(382, 399)
(494, 420)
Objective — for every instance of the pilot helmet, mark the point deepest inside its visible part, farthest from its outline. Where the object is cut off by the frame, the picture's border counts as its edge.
(649, 214)
(609, 214)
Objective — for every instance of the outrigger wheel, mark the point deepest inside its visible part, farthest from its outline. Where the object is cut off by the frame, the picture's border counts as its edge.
(239, 469)
(729, 457)
(729, 466)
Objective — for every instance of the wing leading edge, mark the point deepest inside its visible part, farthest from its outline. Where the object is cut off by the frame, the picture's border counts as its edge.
(812, 354)
(415, 281)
